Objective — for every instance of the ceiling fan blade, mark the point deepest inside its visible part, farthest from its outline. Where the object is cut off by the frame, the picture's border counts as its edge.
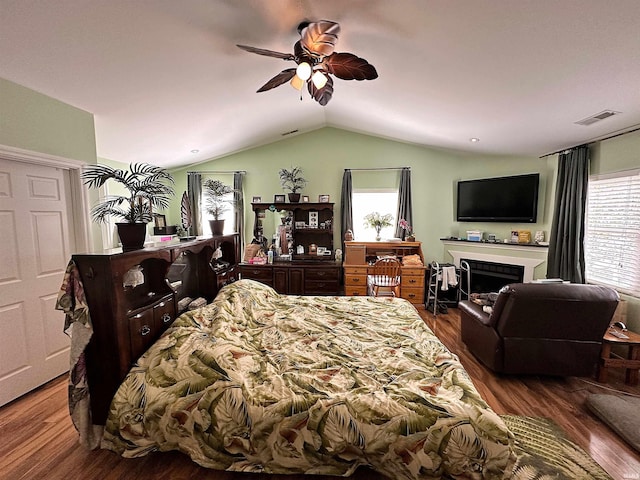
(266, 53)
(283, 77)
(321, 95)
(348, 66)
(319, 38)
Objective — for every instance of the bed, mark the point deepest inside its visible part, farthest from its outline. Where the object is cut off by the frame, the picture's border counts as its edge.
(262, 382)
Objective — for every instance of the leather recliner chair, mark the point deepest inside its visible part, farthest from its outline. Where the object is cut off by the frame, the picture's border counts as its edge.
(544, 329)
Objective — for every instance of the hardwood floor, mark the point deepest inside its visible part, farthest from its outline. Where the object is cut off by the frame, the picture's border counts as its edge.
(38, 441)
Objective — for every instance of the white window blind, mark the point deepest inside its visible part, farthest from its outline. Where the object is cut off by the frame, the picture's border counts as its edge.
(612, 237)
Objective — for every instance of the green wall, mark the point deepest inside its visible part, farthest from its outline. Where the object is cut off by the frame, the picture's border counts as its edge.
(33, 121)
(324, 154)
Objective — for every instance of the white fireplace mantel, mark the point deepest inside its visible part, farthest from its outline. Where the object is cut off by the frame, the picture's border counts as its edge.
(498, 253)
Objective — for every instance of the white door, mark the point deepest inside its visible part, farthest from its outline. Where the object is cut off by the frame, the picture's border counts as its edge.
(35, 248)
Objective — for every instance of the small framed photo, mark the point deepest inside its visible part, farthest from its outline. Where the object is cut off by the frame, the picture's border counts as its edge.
(279, 198)
(160, 221)
(300, 224)
(313, 219)
(256, 200)
(305, 198)
(323, 198)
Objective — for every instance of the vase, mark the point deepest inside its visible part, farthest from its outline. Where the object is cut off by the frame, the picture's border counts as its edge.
(378, 234)
(132, 235)
(217, 227)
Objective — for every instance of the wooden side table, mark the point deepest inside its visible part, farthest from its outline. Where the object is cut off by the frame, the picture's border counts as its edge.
(609, 359)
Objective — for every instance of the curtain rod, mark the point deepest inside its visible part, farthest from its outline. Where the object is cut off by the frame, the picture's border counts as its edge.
(243, 172)
(593, 141)
(380, 168)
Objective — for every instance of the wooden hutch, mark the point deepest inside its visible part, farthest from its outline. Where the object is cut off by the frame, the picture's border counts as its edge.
(308, 226)
(133, 297)
(359, 256)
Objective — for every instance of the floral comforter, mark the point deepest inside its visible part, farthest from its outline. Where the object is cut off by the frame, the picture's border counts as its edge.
(262, 382)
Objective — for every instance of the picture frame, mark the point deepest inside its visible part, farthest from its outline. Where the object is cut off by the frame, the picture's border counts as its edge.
(305, 199)
(279, 198)
(160, 221)
(300, 224)
(313, 219)
(324, 198)
(256, 200)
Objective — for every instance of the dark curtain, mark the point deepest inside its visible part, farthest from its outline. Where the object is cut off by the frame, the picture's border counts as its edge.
(405, 209)
(566, 242)
(346, 209)
(194, 191)
(238, 207)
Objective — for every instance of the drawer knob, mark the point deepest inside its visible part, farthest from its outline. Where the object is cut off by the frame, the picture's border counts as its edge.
(356, 279)
(321, 274)
(166, 318)
(145, 330)
(412, 281)
(160, 305)
(411, 295)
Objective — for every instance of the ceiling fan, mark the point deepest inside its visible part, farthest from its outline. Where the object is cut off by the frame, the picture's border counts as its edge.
(317, 61)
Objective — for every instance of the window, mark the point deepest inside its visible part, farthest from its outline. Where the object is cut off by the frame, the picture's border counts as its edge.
(382, 201)
(227, 216)
(612, 237)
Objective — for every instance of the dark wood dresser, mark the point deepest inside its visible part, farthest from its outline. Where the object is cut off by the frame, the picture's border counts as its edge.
(133, 298)
(296, 278)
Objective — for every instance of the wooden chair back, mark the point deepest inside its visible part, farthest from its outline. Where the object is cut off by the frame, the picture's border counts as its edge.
(385, 274)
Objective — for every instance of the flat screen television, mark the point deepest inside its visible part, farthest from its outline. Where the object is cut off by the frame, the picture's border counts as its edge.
(502, 199)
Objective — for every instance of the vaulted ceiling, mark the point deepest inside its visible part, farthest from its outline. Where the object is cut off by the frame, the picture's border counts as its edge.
(165, 79)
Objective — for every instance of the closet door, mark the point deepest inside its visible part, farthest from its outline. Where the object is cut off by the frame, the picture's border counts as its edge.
(35, 240)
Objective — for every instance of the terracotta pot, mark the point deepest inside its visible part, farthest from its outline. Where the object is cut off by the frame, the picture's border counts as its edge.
(217, 227)
(132, 235)
(410, 238)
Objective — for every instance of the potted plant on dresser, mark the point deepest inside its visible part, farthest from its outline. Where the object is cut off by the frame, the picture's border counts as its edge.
(217, 202)
(148, 188)
(292, 181)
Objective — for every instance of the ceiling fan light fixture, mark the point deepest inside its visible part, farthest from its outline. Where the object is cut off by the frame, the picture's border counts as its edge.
(303, 71)
(296, 82)
(316, 59)
(319, 79)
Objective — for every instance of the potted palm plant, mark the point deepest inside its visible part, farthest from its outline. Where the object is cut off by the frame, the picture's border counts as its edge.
(378, 222)
(148, 188)
(217, 202)
(292, 181)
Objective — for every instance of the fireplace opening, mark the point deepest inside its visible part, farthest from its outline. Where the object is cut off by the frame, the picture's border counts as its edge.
(490, 277)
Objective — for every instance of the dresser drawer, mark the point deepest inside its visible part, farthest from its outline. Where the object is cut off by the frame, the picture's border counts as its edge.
(414, 295)
(327, 273)
(411, 280)
(355, 291)
(262, 274)
(355, 280)
(142, 332)
(348, 270)
(164, 313)
(321, 287)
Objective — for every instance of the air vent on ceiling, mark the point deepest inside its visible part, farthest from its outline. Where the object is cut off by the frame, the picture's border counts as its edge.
(597, 117)
(289, 133)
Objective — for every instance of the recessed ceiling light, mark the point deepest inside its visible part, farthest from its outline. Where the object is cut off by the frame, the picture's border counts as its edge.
(195, 150)
(474, 140)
